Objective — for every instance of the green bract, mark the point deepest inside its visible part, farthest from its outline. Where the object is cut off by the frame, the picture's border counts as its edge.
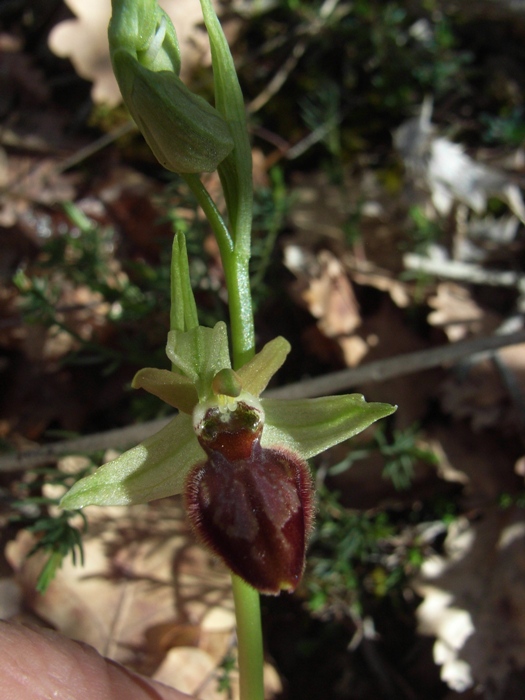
(158, 467)
(186, 134)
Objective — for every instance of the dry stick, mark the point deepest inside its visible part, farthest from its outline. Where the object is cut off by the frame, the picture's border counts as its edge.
(398, 366)
(87, 151)
(120, 437)
(381, 370)
(465, 272)
(278, 79)
(300, 46)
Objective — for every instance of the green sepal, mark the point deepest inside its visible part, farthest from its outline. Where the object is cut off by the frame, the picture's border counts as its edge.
(200, 354)
(310, 426)
(173, 388)
(185, 133)
(155, 468)
(183, 309)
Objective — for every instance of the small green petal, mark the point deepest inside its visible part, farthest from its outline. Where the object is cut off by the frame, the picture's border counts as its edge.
(175, 389)
(155, 468)
(256, 373)
(226, 382)
(310, 426)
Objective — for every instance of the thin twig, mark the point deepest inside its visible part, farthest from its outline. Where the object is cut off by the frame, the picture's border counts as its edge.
(278, 79)
(118, 438)
(408, 363)
(399, 366)
(465, 272)
(87, 151)
(299, 47)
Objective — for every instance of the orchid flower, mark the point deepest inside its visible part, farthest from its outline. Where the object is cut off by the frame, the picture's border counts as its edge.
(238, 458)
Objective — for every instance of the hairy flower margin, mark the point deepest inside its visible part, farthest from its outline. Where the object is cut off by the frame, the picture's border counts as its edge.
(239, 459)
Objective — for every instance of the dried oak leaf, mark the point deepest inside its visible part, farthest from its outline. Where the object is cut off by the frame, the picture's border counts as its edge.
(458, 313)
(147, 596)
(474, 602)
(324, 288)
(142, 571)
(84, 41)
(447, 173)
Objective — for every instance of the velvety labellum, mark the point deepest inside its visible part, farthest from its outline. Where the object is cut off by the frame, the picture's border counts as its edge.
(254, 512)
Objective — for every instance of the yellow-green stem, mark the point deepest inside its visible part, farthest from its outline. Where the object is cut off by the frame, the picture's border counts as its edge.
(236, 272)
(249, 640)
(236, 259)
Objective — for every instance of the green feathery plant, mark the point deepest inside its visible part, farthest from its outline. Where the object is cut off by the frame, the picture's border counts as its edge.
(238, 458)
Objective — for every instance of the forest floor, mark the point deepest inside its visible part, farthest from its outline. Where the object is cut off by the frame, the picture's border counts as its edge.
(391, 258)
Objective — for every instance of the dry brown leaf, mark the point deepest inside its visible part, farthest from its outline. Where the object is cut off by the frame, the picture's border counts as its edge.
(457, 313)
(354, 349)
(331, 299)
(84, 41)
(474, 602)
(482, 395)
(324, 288)
(145, 586)
(193, 671)
(368, 274)
(147, 596)
(34, 181)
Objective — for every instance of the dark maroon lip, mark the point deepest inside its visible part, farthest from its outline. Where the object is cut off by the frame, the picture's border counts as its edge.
(251, 505)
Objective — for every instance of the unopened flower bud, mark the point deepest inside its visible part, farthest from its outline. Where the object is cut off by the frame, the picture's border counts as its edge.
(186, 134)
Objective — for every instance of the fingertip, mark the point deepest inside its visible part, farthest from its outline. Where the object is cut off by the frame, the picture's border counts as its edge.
(39, 663)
